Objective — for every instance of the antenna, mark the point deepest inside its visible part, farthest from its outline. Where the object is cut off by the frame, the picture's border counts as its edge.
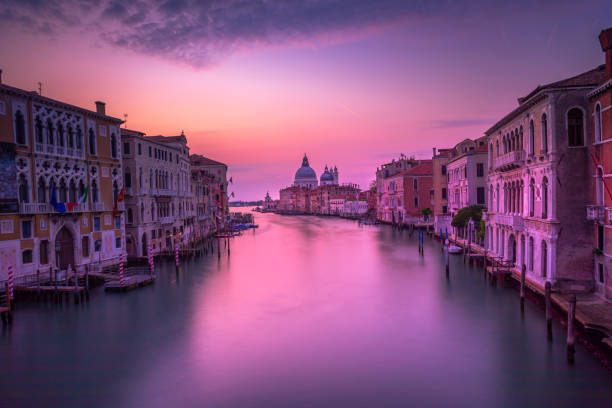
(40, 88)
(125, 120)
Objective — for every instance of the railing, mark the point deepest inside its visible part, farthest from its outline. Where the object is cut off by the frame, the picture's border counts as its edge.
(59, 150)
(166, 220)
(129, 191)
(513, 221)
(162, 192)
(121, 206)
(50, 149)
(40, 148)
(596, 213)
(46, 208)
(97, 207)
(511, 159)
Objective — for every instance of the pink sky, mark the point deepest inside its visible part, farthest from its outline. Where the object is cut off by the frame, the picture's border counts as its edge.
(351, 94)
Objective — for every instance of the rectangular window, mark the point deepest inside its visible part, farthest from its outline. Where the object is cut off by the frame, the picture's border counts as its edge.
(444, 209)
(150, 152)
(96, 223)
(44, 252)
(153, 234)
(444, 193)
(117, 222)
(128, 179)
(139, 149)
(600, 237)
(601, 274)
(126, 148)
(85, 245)
(26, 229)
(480, 195)
(416, 202)
(118, 242)
(98, 245)
(444, 170)
(415, 185)
(479, 169)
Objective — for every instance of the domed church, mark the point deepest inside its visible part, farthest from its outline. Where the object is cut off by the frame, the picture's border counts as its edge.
(329, 176)
(305, 176)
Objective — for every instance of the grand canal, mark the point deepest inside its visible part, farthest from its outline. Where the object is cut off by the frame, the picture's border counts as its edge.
(307, 312)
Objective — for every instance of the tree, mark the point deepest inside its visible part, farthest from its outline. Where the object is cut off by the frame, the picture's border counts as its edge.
(463, 216)
(426, 212)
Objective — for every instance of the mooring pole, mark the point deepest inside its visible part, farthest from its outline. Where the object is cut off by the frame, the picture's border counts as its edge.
(447, 268)
(523, 273)
(547, 293)
(571, 315)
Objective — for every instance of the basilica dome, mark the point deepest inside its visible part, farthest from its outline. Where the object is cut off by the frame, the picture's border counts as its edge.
(327, 176)
(305, 176)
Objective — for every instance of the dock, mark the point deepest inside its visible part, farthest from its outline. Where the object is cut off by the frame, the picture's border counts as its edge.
(133, 277)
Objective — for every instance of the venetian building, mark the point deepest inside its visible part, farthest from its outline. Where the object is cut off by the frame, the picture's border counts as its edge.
(60, 193)
(537, 153)
(329, 177)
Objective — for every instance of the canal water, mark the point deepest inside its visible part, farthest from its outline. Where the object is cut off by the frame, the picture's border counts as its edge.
(307, 312)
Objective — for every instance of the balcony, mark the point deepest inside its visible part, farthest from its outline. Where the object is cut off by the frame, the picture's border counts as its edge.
(121, 206)
(58, 150)
(596, 213)
(46, 208)
(513, 221)
(96, 207)
(510, 160)
(129, 191)
(162, 192)
(166, 220)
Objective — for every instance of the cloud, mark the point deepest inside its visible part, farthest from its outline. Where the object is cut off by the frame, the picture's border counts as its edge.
(200, 33)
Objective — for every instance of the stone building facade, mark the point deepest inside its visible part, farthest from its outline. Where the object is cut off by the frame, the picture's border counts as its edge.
(60, 203)
(536, 155)
(467, 179)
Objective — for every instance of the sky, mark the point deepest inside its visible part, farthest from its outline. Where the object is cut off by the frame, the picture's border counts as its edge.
(256, 84)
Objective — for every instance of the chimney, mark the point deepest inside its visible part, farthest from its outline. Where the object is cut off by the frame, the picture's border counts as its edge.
(605, 39)
(101, 108)
(434, 152)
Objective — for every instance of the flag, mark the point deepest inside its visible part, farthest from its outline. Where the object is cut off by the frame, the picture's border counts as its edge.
(119, 199)
(59, 207)
(232, 194)
(83, 199)
(231, 179)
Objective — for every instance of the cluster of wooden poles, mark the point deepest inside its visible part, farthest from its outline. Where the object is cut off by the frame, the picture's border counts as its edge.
(571, 311)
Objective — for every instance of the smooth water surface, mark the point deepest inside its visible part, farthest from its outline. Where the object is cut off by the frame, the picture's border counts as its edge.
(307, 312)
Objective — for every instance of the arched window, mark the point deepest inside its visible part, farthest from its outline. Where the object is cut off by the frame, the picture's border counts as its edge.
(575, 130)
(60, 134)
(79, 138)
(150, 178)
(113, 146)
(50, 132)
(92, 142)
(531, 138)
(81, 188)
(497, 198)
(544, 259)
(597, 118)
(530, 254)
(491, 197)
(521, 146)
(70, 137)
(544, 133)
(497, 147)
(94, 191)
(72, 192)
(20, 131)
(42, 191)
(38, 128)
(130, 216)
(152, 211)
(141, 212)
(545, 198)
(599, 186)
(24, 194)
(531, 197)
(63, 190)
(491, 155)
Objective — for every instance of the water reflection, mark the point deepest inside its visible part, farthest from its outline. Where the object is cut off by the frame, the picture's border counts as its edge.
(307, 311)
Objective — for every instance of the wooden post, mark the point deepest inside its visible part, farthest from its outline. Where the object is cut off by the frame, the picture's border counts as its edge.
(523, 273)
(447, 268)
(547, 292)
(38, 285)
(55, 284)
(76, 287)
(87, 283)
(9, 316)
(571, 314)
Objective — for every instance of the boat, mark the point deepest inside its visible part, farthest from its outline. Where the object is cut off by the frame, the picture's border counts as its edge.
(454, 249)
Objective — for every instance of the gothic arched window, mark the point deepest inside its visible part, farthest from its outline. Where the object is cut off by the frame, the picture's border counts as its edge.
(544, 133)
(20, 132)
(92, 142)
(42, 191)
(24, 194)
(38, 129)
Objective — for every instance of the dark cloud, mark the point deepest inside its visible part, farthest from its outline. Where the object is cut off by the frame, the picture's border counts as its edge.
(200, 32)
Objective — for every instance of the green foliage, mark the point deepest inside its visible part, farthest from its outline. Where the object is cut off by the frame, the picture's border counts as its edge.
(426, 211)
(463, 216)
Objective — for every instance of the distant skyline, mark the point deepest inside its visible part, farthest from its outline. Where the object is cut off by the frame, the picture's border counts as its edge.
(257, 85)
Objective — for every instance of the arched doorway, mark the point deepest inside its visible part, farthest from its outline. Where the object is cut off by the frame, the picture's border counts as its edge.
(512, 248)
(64, 248)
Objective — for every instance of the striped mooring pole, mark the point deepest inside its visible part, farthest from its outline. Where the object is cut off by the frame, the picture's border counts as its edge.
(10, 281)
(151, 259)
(176, 256)
(121, 278)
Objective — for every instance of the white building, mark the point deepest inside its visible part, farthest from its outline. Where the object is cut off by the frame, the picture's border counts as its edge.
(467, 179)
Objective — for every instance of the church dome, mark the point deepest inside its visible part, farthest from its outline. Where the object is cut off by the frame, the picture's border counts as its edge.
(305, 176)
(326, 176)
